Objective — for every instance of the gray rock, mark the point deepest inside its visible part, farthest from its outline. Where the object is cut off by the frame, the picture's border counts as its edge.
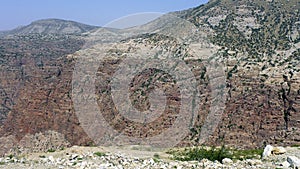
(74, 156)
(294, 161)
(285, 164)
(278, 150)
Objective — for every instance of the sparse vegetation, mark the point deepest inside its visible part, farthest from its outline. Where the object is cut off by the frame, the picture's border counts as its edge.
(10, 156)
(214, 153)
(199, 153)
(100, 154)
(51, 150)
(156, 156)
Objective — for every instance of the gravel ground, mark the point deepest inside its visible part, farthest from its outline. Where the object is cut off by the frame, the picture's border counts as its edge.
(130, 157)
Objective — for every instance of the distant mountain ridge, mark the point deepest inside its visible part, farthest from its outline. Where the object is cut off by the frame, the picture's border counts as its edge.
(51, 26)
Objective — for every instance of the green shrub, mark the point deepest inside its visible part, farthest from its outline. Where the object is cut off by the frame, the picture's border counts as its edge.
(199, 153)
(10, 156)
(247, 154)
(156, 155)
(100, 154)
(212, 154)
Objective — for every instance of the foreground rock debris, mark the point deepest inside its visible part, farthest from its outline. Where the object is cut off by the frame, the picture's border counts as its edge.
(137, 157)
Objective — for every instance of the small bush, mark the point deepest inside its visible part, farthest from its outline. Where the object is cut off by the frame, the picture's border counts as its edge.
(100, 154)
(156, 156)
(51, 151)
(10, 156)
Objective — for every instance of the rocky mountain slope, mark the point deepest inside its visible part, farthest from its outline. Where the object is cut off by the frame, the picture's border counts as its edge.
(35, 89)
(257, 42)
(52, 26)
(260, 46)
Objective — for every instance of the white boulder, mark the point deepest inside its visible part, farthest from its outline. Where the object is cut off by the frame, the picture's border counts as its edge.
(267, 151)
(51, 159)
(227, 161)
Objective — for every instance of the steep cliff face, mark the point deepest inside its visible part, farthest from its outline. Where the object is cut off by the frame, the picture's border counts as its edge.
(257, 41)
(36, 85)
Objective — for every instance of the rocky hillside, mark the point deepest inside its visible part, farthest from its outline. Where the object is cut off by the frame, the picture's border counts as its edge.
(35, 89)
(256, 42)
(259, 28)
(52, 26)
(260, 46)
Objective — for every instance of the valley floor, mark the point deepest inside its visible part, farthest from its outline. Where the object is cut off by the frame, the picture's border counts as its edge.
(130, 157)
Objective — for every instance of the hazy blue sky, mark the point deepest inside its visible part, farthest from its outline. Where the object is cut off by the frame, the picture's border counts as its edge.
(14, 13)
